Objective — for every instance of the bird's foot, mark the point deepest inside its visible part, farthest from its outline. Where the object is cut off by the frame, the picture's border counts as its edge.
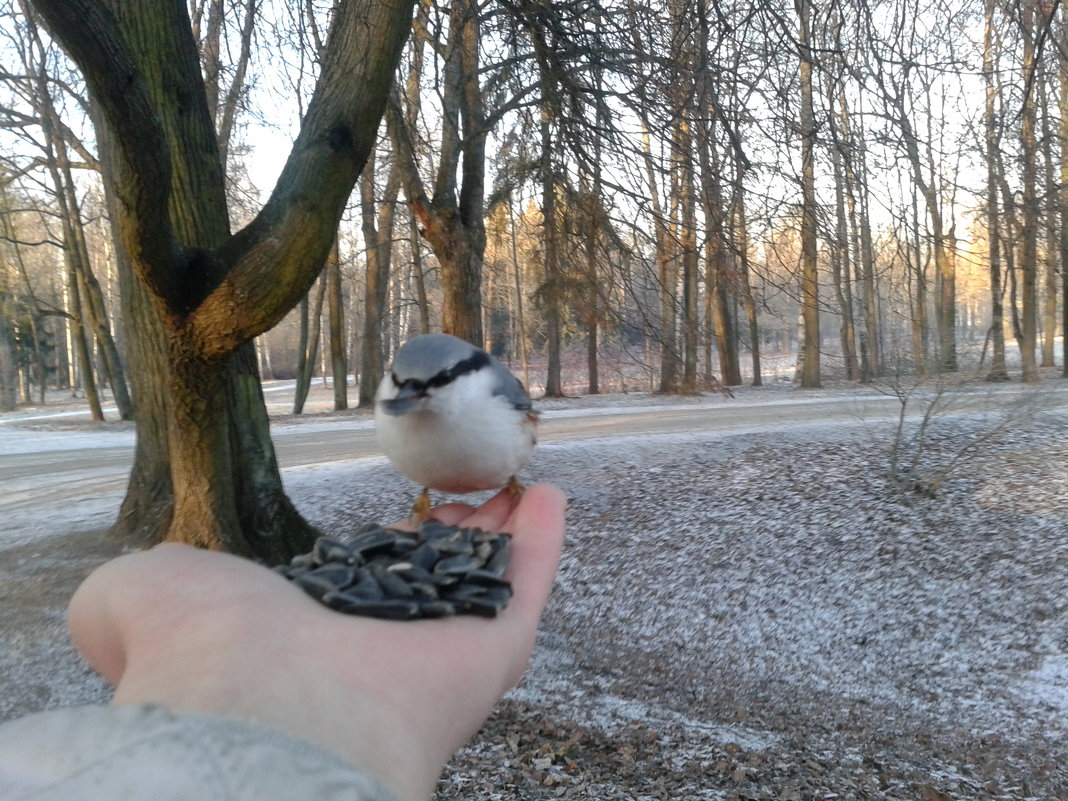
(515, 489)
(421, 508)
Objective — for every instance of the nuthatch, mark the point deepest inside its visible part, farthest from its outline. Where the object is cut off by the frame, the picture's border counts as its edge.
(452, 418)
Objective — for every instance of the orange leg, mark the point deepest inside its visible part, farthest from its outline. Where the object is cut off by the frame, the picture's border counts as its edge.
(421, 507)
(515, 489)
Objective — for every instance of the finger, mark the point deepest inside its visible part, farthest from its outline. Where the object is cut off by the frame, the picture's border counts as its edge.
(537, 526)
(493, 514)
(451, 514)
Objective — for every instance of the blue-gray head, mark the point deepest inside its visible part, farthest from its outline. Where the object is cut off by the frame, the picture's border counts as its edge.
(427, 364)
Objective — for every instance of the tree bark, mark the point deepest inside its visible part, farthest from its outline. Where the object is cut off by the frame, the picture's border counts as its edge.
(521, 320)
(310, 330)
(9, 375)
(418, 277)
(741, 238)
(378, 241)
(76, 320)
(998, 370)
(1050, 236)
(551, 290)
(863, 258)
(338, 364)
(1030, 208)
(719, 281)
(1062, 195)
(841, 266)
(688, 245)
(810, 313)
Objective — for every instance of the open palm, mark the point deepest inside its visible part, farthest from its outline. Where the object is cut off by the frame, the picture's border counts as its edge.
(209, 633)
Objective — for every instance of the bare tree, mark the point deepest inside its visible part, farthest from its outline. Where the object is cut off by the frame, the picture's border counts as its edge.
(451, 215)
(198, 294)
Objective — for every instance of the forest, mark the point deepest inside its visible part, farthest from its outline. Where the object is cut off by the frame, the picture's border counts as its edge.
(611, 197)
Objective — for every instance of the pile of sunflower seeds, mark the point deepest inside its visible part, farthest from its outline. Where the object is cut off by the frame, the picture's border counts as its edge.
(382, 572)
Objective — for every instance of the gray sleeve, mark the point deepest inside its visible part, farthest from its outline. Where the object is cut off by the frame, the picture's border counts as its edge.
(96, 753)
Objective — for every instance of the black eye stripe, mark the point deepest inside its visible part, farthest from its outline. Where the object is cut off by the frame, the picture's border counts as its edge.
(476, 361)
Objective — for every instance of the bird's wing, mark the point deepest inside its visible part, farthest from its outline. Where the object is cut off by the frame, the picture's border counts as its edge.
(510, 387)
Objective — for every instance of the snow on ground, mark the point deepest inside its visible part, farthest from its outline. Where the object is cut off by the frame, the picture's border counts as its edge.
(746, 615)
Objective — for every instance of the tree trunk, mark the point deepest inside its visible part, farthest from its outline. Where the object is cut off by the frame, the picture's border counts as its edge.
(9, 376)
(521, 321)
(857, 204)
(551, 289)
(338, 364)
(1030, 208)
(810, 372)
(378, 241)
(1062, 194)
(1029, 233)
(719, 280)
(76, 318)
(418, 277)
(311, 327)
(452, 220)
(841, 268)
(741, 236)
(688, 245)
(592, 292)
(667, 276)
(998, 371)
(1051, 236)
(593, 385)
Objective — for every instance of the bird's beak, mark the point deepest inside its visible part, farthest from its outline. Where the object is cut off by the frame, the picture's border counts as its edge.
(408, 399)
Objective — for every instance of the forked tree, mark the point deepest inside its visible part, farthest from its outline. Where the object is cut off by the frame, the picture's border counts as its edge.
(194, 292)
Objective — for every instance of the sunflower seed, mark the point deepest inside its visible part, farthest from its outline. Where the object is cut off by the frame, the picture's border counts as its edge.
(393, 586)
(315, 587)
(327, 549)
(457, 565)
(441, 571)
(339, 575)
(373, 542)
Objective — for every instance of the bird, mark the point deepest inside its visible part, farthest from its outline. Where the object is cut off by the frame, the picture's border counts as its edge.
(452, 418)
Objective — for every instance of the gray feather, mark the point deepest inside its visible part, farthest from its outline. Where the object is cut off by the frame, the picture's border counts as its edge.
(423, 357)
(510, 386)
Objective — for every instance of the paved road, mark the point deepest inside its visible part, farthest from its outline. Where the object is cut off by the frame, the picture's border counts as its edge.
(83, 465)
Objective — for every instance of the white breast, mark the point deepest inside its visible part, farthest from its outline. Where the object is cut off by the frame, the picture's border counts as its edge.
(463, 439)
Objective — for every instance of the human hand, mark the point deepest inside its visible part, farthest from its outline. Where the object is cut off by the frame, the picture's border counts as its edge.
(209, 633)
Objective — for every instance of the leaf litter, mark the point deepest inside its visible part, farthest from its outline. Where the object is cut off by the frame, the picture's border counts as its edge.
(761, 615)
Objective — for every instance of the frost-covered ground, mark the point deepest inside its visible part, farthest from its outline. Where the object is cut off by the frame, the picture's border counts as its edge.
(757, 616)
